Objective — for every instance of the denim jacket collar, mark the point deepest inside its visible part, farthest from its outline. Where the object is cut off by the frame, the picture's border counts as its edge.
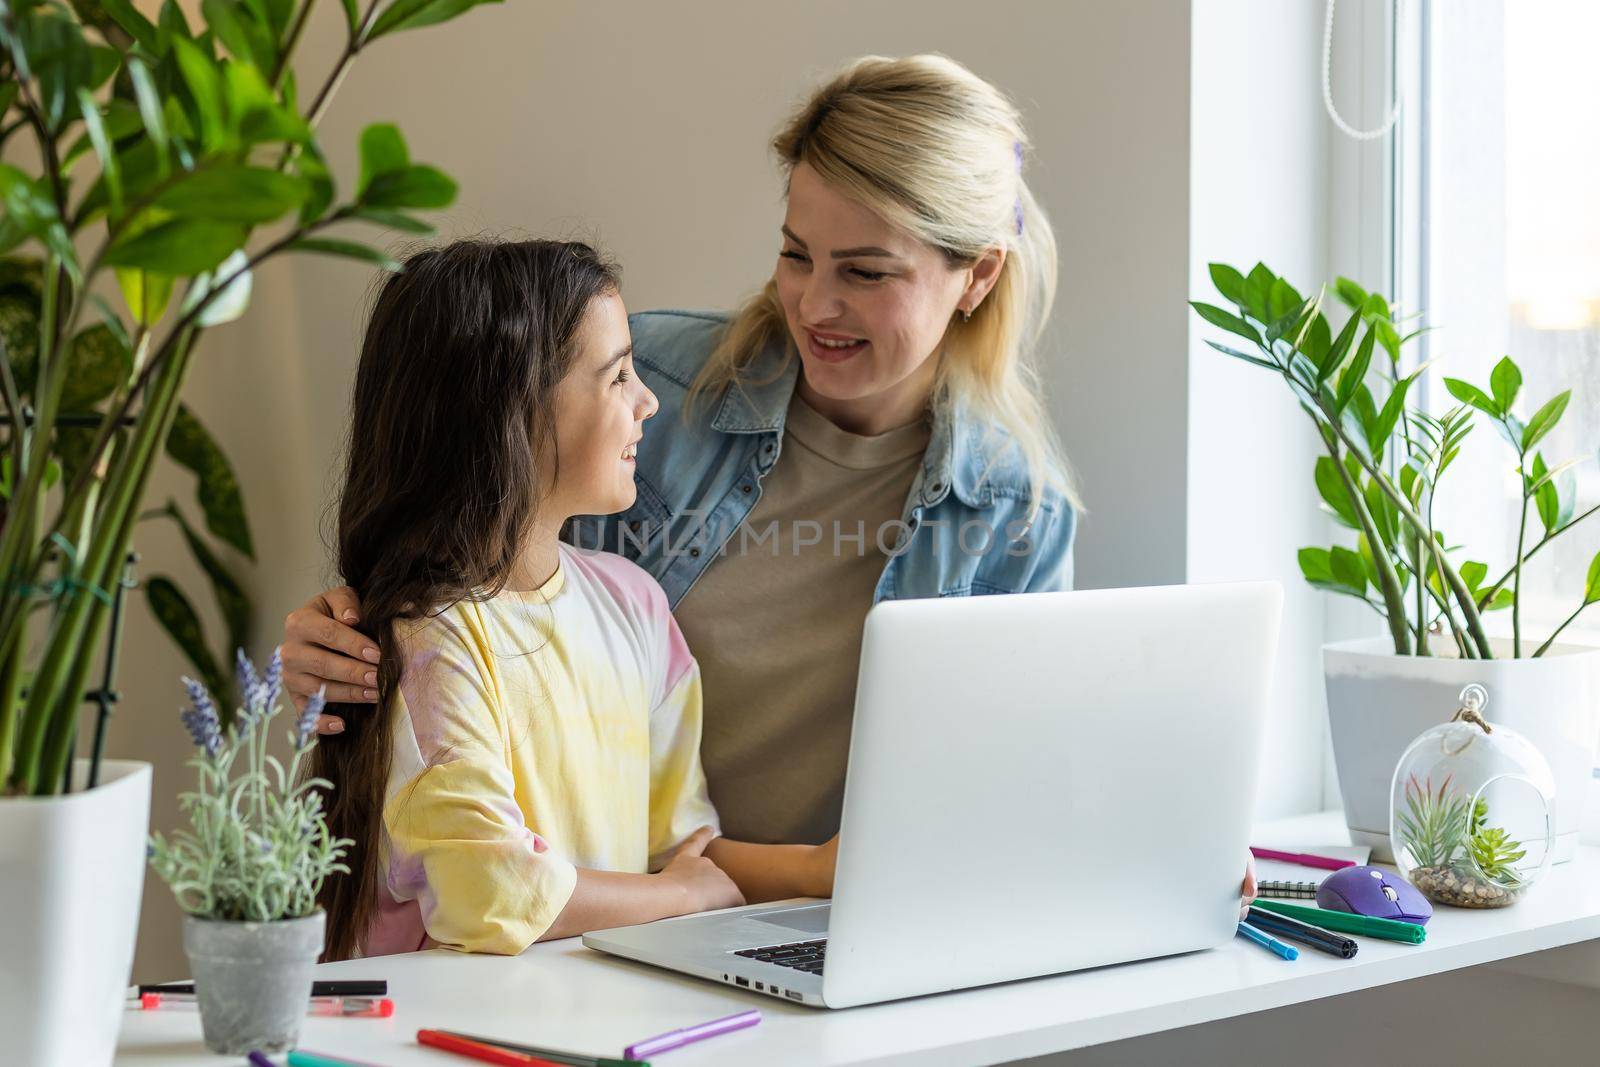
(957, 458)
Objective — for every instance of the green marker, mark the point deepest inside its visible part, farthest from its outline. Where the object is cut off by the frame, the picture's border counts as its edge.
(1348, 923)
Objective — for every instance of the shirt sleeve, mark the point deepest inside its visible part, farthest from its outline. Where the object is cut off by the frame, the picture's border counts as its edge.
(1050, 559)
(679, 801)
(483, 879)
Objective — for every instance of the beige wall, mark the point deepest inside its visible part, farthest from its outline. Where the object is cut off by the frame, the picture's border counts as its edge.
(644, 125)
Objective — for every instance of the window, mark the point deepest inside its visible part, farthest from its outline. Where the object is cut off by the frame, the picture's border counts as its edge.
(1500, 249)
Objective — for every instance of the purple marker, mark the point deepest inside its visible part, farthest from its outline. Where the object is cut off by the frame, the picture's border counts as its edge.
(689, 1035)
(259, 1060)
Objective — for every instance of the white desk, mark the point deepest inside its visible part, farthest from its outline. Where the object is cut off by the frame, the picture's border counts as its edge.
(561, 995)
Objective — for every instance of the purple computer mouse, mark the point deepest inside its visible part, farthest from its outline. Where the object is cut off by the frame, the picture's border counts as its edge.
(1376, 892)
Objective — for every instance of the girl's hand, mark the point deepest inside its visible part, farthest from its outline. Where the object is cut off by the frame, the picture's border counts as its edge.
(320, 649)
(705, 885)
(1247, 891)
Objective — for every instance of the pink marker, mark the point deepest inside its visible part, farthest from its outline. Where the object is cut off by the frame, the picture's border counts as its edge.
(1305, 859)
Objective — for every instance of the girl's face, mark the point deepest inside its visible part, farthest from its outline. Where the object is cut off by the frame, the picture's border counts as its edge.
(867, 305)
(601, 406)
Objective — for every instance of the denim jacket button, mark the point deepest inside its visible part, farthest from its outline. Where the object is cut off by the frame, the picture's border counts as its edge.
(745, 488)
(634, 525)
(694, 553)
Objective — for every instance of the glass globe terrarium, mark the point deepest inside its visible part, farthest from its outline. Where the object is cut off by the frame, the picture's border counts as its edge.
(1470, 813)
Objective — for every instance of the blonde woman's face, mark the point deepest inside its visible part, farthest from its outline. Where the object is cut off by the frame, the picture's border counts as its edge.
(867, 305)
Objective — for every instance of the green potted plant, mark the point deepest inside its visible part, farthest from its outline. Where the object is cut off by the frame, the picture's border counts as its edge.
(248, 869)
(164, 162)
(1383, 463)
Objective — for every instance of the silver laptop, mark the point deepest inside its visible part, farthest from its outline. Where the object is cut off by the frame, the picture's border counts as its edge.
(1037, 783)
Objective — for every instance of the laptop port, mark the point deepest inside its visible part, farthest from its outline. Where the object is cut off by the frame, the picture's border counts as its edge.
(760, 988)
(792, 995)
(742, 981)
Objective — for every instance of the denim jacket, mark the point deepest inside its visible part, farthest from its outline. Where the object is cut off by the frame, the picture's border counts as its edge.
(963, 527)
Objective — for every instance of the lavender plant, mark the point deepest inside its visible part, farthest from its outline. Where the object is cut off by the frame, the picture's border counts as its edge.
(258, 847)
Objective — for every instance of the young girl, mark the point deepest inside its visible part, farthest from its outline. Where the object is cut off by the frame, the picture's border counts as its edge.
(534, 751)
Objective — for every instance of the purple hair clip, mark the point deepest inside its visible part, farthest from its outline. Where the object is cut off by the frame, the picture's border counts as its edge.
(1016, 148)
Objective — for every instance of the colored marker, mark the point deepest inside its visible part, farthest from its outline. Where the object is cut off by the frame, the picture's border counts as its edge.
(1271, 944)
(1305, 859)
(477, 1050)
(570, 1059)
(689, 1035)
(1348, 923)
(366, 987)
(342, 1007)
(306, 1058)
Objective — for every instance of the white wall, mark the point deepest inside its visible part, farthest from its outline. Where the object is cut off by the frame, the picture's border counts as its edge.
(1259, 191)
(645, 126)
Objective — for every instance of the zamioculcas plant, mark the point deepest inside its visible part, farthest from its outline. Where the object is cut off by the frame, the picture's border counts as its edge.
(173, 160)
(1384, 461)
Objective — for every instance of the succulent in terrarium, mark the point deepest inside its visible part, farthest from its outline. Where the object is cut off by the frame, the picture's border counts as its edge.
(1458, 857)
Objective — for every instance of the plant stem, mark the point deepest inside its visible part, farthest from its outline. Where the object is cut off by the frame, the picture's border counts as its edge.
(1554, 634)
(1487, 595)
(1458, 588)
(1388, 581)
(290, 42)
(1516, 581)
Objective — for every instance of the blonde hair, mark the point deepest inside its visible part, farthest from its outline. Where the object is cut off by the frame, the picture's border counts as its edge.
(937, 151)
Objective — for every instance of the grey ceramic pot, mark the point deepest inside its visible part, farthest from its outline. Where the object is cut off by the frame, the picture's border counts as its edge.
(252, 980)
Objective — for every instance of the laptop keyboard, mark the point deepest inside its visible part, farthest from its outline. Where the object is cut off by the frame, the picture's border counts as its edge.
(807, 956)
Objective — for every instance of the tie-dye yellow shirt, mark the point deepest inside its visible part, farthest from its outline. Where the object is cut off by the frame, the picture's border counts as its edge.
(536, 733)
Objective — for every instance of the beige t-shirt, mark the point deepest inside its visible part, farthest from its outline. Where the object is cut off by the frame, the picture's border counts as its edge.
(776, 625)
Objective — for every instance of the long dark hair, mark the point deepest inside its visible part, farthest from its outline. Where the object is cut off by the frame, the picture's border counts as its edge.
(453, 403)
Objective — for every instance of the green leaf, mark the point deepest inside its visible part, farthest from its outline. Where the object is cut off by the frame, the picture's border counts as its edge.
(231, 598)
(146, 294)
(1282, 299)
(417, 186)
(1388, 338)
(1316, 341)
(313, 170)
(1471, 394)
(1504, 381)
(414, 14)
(1544, 420)
(200, 74)
(1229, 282)
(1389, 417)
(383, 151)
(233, 193)
(1352, 294)
(1546, 498)
(30, 212)
(98, 362)
(1473, 573)
(352, 16)
(171, 609)
(155, 126)
(1228, 321)
(1334, 494)
(181, 247)
(1502, 600)
(348, 249)
(1348, 570)
(1315, 565)
(1591, 588)
(95, 126)
(1257, 285)
(1340, 347)
(245, 38)
(193, 448)
(1351, 378)
(141, 29)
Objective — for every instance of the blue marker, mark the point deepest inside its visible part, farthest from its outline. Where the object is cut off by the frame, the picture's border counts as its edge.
(1271, 944)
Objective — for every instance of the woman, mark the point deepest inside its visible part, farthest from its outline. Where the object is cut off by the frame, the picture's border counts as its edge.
(868, 427)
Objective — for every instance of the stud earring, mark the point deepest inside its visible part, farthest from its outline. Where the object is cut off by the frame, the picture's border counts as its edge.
(966, 316)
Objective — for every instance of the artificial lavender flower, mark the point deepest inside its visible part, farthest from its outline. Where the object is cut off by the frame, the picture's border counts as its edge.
(251, 690)
(272, 682)
(200, 717)
(306, 724)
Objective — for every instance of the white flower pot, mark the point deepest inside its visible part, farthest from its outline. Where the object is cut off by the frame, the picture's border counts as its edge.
(1379, 702)
(71, 874)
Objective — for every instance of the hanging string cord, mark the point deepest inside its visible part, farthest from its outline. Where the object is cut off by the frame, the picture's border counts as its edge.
(1327, 83)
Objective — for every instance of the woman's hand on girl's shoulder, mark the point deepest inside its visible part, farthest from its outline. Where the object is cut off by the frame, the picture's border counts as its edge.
(321, 649)
(705, 886)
